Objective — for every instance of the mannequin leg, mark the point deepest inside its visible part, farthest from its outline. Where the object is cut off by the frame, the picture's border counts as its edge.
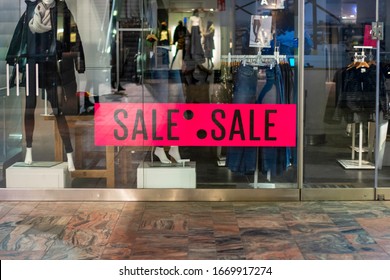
(70, 162)
(174, 152)
(29, 117)
(174, 57)
(160, 153)
(60, 119)
(28, 158)
(61, 124)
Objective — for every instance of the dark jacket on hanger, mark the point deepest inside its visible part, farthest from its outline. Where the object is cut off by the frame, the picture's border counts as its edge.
(31, 47)
(356, 95)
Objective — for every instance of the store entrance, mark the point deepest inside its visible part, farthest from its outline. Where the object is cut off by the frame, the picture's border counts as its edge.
(345, 116)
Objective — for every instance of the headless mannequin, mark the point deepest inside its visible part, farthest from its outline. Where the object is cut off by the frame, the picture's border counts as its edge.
(209, 44)
(40, 30)
(195, 27)
(196, 50)
(174, 150)
(53, 94)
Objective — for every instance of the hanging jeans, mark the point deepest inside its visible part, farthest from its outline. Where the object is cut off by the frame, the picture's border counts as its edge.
(243, 159)
(273, 160)
(274, 83)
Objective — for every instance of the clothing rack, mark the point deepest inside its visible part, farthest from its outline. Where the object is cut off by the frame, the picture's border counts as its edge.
(258, 60)
(357, 163)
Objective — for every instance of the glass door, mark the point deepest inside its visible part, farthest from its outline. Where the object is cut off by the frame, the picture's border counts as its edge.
(340, 100)
(229, 70)
(383, 142)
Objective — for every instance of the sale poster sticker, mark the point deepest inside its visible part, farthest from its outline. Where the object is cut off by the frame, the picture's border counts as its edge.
(168, 124)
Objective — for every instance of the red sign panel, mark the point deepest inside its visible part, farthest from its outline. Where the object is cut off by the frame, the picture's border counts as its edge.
(221, 5)
(167, 124)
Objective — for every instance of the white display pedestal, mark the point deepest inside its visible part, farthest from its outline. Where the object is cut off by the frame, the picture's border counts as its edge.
(359, 163)
(38, 175)
(158, 175)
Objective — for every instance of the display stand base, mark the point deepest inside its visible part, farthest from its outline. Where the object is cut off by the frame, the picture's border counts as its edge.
(159, 175)
(221, 161)
(354, 164)
(38, 175)
(363, 150)
(263, 186)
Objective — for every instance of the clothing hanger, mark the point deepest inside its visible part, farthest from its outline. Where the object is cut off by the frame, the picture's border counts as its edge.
(359, 62)
(362, 64)
(371, 60)
(353, 63)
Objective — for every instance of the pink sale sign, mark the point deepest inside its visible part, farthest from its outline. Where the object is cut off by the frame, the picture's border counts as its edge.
(168, 124)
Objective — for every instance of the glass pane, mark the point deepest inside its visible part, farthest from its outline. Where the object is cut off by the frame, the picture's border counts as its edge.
(10, 115)
(216, 55)
(59, 67)
(340, 87)
(110, 90)
(383, 155)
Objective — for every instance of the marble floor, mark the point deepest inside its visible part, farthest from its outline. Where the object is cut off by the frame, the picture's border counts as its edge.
(195, 230)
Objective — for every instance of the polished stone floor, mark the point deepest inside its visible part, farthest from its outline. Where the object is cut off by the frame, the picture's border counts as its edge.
(195, 230)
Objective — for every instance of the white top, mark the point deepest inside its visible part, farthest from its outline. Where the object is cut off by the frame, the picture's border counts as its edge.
(195, 21)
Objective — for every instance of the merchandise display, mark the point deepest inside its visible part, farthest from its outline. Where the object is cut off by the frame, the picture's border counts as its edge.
(36, 50)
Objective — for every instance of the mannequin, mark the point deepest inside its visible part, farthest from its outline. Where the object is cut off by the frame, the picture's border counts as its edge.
(164, 42)
(209, 44)
(196, 30)
(194, 56)
(179, 38)
(36, 34)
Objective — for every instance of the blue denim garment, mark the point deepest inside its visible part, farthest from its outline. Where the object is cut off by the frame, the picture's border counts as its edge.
(164, 54)
(273, 79)
(270, 83)
(243, 159)
(273, 159)
(245, 86)
(286, 156)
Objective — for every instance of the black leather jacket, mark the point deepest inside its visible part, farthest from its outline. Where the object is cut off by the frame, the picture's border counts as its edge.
(356, 95)
(40, 47)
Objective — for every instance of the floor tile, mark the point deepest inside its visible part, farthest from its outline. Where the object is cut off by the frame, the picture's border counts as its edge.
(195, 230)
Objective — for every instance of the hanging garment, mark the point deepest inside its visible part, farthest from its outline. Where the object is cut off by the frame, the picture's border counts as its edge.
(356, 94)
(273, 160)
(179, 36)
(209, 42)
(38, 44)
(243, 159)
(197, 52)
